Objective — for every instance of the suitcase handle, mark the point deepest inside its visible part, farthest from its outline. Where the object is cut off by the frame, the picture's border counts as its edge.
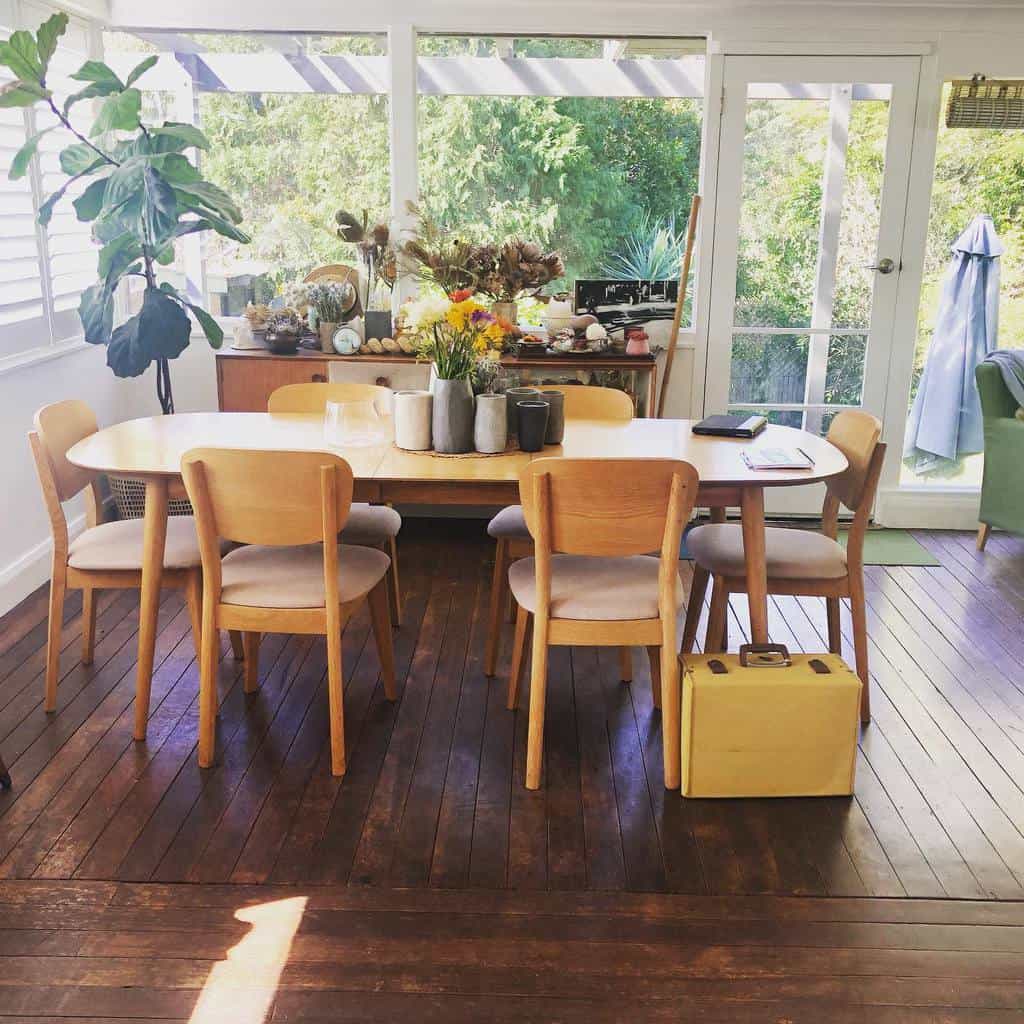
(764, 656)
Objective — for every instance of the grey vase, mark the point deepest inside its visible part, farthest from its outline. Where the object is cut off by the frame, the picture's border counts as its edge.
(452, 422)
(556, 416)
(515, 396)
(491, 432)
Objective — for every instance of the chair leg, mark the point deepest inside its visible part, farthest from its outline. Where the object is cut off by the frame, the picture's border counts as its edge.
(860, 643)
(698, 588)
(336, 700)
(983, 531)
(208, 687)
(626, 664)
(835, 637)
(538, 695)
(380, 620)
(88, 624)
(194, 602)
(237, 647)
(499, 583)
(654, 657)
(394, 591)
(58, 590)
(251, 668)
(715, 640)
(524, 620)
(5, 776)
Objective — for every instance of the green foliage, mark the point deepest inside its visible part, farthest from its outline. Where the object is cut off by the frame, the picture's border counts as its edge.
(652, 251)
(142, 194)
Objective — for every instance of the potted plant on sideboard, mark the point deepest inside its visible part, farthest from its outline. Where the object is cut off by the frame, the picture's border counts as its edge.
(143, 193)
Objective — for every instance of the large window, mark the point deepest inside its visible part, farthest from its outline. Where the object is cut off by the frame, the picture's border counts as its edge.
(587, 146)
(42, 270)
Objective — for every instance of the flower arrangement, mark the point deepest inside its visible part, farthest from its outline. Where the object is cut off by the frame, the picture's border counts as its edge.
(520, 268)
(453, 332)
(296, 296)
(435, 254)
(332, 300)
(285, 321)
(374, 247)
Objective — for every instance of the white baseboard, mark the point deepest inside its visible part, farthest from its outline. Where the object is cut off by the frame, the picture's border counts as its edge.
(925, 509)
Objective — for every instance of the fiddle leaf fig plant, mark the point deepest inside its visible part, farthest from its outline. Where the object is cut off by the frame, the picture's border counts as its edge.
(142, 194)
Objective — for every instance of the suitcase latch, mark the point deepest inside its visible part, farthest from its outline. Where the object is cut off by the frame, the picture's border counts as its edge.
(764, 656)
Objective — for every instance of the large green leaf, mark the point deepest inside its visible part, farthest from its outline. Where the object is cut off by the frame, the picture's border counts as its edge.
(159, 330)
(90, 202)
(19, 165)
(96, 311)
(177, 136)
(123, 184)
(79, 159)
(21, 55)
(117, 256)
(111, 223)
(160, 208)
(140, 69)
(119, 112)
(176, 169)
(213, 331)
(46, 208)
(213, 222)
(46, 38)
(206, 195)
(21, 94)
(90, 92)
(97, 71)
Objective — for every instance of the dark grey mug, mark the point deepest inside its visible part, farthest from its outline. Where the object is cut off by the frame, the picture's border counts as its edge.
(533, 425)
(556, 416)
(515, 396)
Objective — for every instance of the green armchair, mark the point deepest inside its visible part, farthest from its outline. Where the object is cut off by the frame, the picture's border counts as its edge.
(1002, 487)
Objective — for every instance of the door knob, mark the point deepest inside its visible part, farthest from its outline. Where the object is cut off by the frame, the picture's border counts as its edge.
(884, 266)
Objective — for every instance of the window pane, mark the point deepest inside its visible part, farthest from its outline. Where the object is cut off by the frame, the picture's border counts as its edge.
(542, 139)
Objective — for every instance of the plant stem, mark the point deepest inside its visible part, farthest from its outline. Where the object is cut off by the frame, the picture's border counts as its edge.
(62, 117)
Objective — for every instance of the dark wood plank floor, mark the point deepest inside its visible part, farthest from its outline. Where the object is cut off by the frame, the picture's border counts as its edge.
(434, 798)
(210, 954)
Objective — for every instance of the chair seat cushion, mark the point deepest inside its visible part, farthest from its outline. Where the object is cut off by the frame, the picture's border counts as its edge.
(791, 554)
(600, 589)
(293, 577)
(371, 524)
(117, 547)
(509, 524)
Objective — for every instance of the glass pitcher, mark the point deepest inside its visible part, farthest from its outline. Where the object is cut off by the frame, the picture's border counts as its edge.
(355, 424)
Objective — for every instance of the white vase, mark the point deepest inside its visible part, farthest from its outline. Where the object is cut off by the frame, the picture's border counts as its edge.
(490, 431)
(413, 414)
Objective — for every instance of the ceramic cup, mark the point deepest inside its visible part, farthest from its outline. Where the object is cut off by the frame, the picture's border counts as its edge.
(515, 396)
(412, 420)
(490, 433)
(556, 416)
(533, 424)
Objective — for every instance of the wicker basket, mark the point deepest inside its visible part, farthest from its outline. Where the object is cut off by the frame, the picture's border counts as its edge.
(130, 499)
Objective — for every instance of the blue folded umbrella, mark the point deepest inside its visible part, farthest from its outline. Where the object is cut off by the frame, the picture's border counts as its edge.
(945, 419)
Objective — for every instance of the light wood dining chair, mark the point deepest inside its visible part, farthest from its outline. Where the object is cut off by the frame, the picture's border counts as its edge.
(372, 525)
(508, 527)
(592, 580)
(801, 562)
(291, 575)
(105, 555)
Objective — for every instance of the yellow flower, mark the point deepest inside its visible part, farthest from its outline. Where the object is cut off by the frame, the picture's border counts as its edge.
(456, 316)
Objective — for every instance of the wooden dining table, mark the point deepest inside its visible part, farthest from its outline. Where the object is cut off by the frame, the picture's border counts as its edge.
(151, 449)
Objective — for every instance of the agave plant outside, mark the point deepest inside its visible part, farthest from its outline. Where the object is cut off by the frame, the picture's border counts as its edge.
(143, 193)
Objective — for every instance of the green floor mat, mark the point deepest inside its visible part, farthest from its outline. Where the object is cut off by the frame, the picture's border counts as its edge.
(892, 547)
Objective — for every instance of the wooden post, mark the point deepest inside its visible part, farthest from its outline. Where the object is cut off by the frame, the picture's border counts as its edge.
(691, 232)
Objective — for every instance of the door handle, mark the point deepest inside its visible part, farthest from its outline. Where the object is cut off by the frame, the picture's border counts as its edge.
(883, 266)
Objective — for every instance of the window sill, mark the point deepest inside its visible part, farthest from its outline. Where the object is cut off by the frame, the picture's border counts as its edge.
(43, 354)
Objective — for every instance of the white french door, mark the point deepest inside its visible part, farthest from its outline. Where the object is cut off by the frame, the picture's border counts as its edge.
(813, 170)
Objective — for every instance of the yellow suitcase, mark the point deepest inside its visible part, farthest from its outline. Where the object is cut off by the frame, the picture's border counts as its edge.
(764, 723)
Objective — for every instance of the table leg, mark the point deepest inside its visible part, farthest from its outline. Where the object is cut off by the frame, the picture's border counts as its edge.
(752, 508)
(154, 537)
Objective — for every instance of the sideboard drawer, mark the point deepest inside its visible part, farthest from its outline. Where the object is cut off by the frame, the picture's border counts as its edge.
(245, 384)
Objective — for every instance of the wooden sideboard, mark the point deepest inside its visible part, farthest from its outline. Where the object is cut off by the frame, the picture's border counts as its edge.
(246, 377)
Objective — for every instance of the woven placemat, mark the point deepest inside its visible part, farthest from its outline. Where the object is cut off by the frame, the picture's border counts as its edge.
(512, 446)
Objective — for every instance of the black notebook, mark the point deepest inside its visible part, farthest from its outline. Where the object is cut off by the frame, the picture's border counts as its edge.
(731, 426)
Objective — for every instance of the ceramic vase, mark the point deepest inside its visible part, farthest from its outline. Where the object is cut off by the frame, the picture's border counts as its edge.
(533, 425)
(413, 412)
(490, 433)
(515, 396)
(326, 331)
(556, 416)
(452, 419)
(505, 311)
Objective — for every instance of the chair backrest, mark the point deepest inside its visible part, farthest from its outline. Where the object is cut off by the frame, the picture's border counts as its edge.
(587, 402)
(996, 400)
(313, 398)
(855, 434)
(608, 506)
(58, 427)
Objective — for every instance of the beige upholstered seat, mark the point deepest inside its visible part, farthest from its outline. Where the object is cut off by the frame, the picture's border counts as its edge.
(593, 589)
(509, 524)
(115, 547)
(371, 524)
(293, 577)
(790, 554)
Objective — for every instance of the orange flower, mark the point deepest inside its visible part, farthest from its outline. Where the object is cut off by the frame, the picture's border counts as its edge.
(461, 295)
